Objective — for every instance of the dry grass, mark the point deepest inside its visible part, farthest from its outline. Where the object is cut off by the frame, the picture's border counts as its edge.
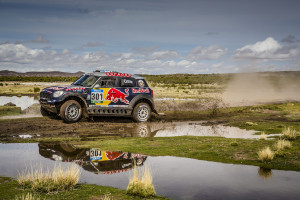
(58, 179)
(282, 144)
(27, 196)
(263, 136)
(107, 197)
(289, 133)
(140, 183)
(266, 154)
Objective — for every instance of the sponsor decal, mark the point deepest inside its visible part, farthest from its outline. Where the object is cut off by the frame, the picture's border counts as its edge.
(115, 95)
(128, 81)
(116, 171)
(55, 88)
(141, 83)
(112, 155)
(96, 96)
(140, 90)
(117, 74)
(76, 88)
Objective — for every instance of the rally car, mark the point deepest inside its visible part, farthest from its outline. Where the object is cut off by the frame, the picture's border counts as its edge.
(100, 93)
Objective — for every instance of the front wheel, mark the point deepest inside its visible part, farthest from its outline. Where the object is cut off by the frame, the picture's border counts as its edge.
(70, 111)
(141, 112)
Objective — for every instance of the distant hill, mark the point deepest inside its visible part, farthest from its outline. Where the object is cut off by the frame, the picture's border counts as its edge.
(43, 74)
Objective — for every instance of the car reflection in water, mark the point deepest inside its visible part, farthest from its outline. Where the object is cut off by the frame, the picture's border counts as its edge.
(93, 160)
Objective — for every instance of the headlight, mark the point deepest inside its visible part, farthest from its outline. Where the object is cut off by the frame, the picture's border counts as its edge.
(58, 93)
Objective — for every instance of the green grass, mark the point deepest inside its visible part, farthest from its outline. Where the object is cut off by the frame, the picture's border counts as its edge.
(9, 189)
(9, 110)
(226, 150)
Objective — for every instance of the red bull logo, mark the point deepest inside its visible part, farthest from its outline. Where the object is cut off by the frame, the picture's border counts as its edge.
(114, 95)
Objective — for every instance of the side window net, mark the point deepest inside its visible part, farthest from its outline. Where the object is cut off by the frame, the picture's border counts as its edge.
(108, 82)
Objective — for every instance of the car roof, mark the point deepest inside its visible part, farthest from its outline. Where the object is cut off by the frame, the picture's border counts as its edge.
(113, 73)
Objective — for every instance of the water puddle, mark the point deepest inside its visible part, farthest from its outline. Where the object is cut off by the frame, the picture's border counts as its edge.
(174, 177)
(173, 129)
(23, 101)
(25, 136)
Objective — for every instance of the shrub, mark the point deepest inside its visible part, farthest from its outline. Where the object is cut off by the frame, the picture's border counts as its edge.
(282, 144)
(265, 154)
(141, 183)
(36, 89)
(41, 180)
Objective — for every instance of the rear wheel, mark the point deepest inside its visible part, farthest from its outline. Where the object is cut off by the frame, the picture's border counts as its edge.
(71, 111)
(141, 112)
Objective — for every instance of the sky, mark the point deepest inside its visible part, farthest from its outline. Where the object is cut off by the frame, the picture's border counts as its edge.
(150, 36)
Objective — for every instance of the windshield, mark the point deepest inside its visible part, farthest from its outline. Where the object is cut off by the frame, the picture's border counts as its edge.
(86, 80)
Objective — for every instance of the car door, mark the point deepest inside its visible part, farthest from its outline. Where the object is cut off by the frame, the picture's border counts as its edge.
(107, 92)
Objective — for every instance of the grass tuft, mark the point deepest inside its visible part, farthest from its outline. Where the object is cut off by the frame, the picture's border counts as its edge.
(47, 181)
(263, 136)
(27, 196)
(282, 144)
(289, 133)
(140, 183)
(265, 154)
(107, 197)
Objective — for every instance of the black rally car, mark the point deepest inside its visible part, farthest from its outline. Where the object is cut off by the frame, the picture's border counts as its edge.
(100, 93)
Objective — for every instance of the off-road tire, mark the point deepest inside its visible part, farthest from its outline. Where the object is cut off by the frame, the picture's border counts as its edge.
(70, 111)
(141, 112)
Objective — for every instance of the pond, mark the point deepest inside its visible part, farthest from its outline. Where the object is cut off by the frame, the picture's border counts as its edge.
(174, 177)
(23, 101)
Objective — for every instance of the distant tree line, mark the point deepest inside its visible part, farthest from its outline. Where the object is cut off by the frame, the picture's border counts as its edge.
(162, 79)
(38, 79)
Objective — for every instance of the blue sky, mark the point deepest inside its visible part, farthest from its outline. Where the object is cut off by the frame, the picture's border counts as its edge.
(150, 36)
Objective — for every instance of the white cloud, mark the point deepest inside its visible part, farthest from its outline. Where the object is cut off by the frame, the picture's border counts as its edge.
(18, 53)
(268, 49)
(163, 55)
(19, 57)
(206, 53)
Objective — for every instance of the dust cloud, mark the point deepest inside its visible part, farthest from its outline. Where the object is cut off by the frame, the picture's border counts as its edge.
(258, 88)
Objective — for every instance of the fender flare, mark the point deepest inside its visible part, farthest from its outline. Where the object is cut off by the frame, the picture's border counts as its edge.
(143, 97)
(76, 95)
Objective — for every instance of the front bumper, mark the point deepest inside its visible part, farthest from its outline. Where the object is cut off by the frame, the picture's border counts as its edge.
(49, 107)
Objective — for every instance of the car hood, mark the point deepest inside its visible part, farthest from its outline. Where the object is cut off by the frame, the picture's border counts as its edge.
(66, 88)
